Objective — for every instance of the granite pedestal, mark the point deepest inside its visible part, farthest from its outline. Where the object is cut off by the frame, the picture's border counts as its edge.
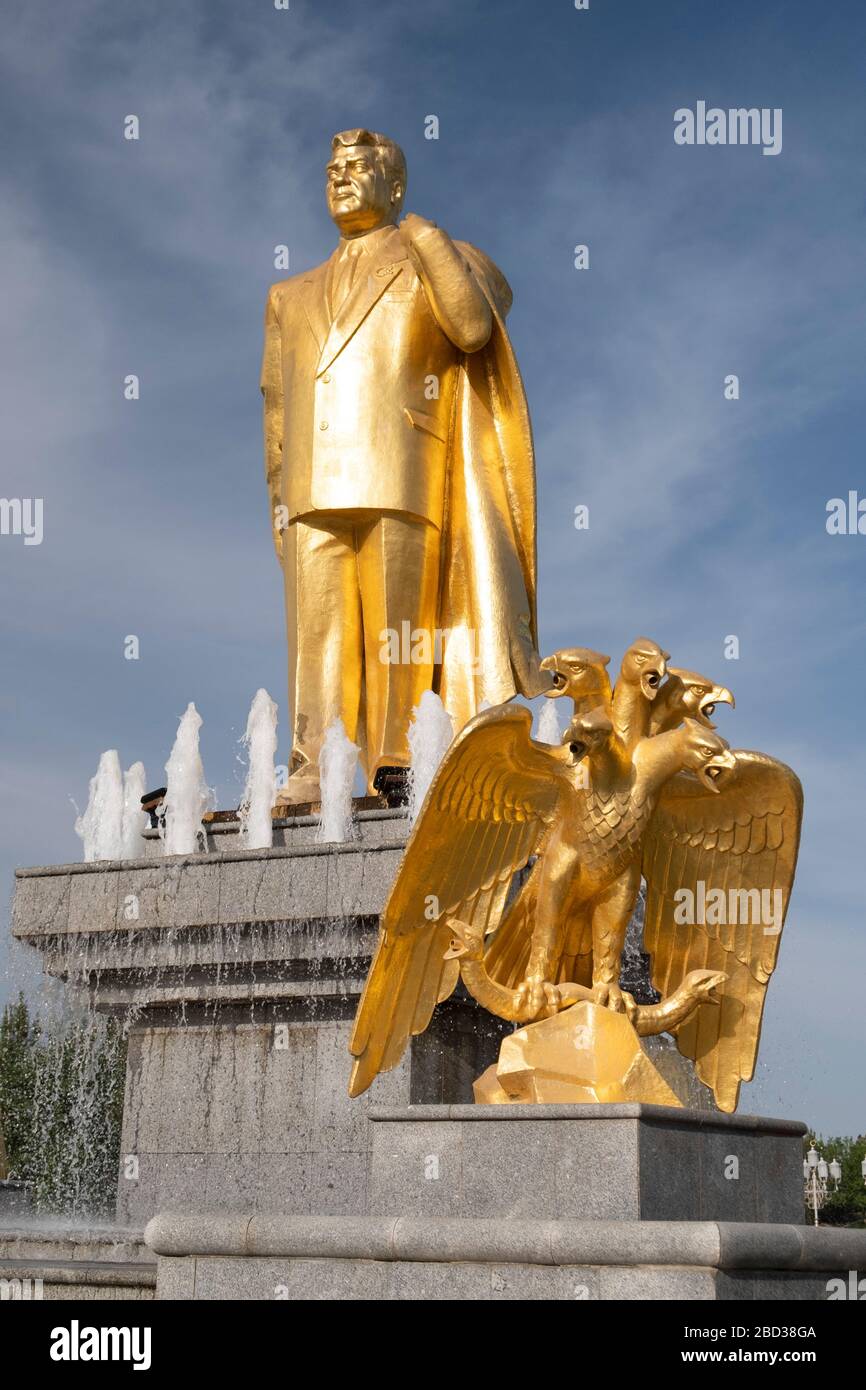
(545, 1202)
(242, 1257)
(584, 1163)
(239, 973)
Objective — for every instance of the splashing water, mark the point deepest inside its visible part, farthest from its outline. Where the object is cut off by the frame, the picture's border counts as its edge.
(256, 822)
(77, 1110)
(338, 762)
(188, 795)
(62, 1073)
(100, 828)
(430, 735)
(549, 729)
(135, 820)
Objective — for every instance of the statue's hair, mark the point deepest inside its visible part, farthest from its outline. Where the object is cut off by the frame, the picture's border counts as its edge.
(388, 151)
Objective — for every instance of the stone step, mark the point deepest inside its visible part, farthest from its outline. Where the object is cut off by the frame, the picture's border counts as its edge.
(302, 883)
(371, 826)
(107, 1245)
(38, 1263)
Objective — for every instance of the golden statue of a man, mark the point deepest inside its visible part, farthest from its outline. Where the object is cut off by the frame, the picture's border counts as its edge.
(399, 463)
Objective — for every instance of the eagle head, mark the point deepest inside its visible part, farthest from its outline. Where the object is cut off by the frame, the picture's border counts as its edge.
(694, 697)
(587, 732)
(577, 672)
(467, 940)
(705, 754)
(688, 695)
(645, 664)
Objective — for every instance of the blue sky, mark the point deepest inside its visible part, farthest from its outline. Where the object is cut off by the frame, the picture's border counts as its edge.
(707, 516)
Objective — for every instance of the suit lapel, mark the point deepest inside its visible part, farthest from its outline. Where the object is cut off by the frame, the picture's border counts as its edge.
(315, 301)
(373, 278)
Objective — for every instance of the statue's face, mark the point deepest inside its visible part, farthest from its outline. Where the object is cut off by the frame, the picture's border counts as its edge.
(362, 195)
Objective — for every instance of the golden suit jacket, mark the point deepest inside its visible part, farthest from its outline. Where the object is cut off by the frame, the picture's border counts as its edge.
(379, 410)
(366, 398)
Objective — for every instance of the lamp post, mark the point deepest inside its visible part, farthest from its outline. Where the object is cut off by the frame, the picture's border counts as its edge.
(817, 1173)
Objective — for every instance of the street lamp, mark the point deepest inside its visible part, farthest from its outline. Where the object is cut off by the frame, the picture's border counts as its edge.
(817, 1173)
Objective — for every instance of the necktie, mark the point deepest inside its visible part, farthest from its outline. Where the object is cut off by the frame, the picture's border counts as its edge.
(343, 275)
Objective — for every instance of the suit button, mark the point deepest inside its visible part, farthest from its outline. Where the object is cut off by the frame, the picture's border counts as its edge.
(326, 378)
(323, 424)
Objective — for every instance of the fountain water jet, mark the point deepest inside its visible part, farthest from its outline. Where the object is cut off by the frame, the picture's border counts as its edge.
(338, 762)
(134, 820)
(187, 794)
(100, 827)
(256, 821)
(549, 729)
(430, 735)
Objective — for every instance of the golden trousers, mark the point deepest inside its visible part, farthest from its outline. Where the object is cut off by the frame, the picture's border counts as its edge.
(357, 584)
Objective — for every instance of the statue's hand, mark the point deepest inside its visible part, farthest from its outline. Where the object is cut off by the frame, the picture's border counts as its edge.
(531, 680)
(413, 226)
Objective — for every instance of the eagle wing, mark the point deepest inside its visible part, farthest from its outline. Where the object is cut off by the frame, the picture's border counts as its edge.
(744, 837)
(488, 807)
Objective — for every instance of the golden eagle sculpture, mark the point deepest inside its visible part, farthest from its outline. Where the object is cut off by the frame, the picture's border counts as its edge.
(641, 787)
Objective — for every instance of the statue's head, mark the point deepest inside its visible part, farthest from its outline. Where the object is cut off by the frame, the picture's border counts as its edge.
(366, 181)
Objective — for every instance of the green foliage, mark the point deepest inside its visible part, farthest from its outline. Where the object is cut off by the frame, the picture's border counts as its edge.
(61, 1099)
(18, 1039)
(847, 1207)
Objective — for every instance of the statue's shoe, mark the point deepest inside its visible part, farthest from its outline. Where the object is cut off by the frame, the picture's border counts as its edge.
(392, 783)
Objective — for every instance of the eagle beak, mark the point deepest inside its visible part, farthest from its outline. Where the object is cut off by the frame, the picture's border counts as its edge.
(719, 695)
(717, 978)
(461, 940)
(704, 982)
(650, 682)
(713, 771)
(560, 681)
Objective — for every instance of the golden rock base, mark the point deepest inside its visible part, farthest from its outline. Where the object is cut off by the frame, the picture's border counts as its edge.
(583, 1055)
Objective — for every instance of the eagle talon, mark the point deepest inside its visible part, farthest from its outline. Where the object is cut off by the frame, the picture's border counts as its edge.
(533, 1000)
(619, 1001)
(553, 996)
